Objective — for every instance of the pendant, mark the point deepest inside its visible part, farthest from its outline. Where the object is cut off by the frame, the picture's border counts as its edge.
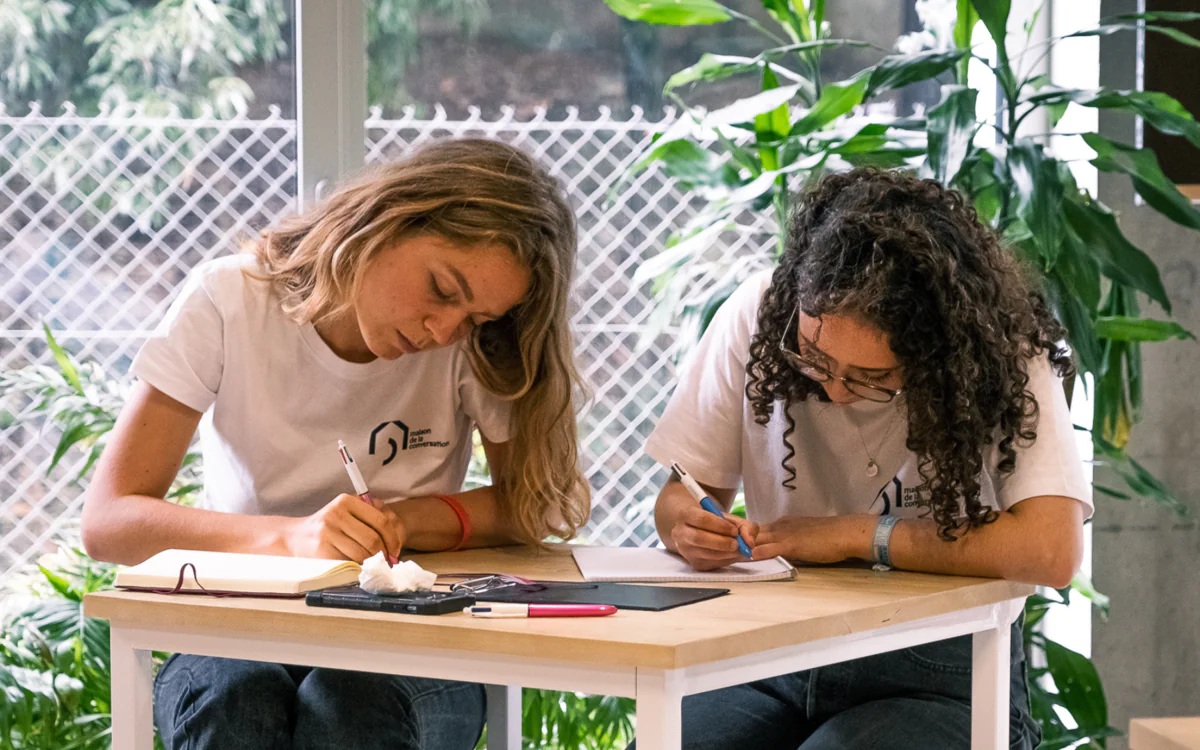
(872, 468)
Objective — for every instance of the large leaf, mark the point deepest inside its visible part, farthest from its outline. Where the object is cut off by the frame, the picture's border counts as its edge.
(81, 432)
(994, 14)
(1079, 687)
(964, 25)
(951, 126)
(872, 146)
(1171, 16)
(793, 18)
(63, 359)
(772, 126)
(745, 110)
(898, 71)
(1161, 111)
(660, 145)
(671, 12)
(1081, 333)
(1148, 179)
(1122, 328)
(1111, 28)
(1079, 270)
(1082, 583)
(1137, 477)
(1039, 194)
(691, 164)
(1097, 229)
(836, 100)
(712, 67)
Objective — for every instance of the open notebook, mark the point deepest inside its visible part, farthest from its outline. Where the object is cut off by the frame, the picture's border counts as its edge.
(236, 573)
(653, 565)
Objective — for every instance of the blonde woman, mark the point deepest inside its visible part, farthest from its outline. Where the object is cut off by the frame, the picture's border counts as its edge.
(427, 298)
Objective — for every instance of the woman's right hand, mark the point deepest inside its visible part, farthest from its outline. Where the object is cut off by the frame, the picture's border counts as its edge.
(345, 529)
(706, 541)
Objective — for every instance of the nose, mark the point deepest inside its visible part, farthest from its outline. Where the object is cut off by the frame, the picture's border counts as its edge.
(448, 327)
(838, 393)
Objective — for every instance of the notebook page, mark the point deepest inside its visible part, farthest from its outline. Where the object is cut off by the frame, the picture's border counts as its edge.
(652, 565)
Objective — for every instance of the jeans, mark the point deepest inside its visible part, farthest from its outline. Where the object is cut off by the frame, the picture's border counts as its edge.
(916, 698)
(202, 703)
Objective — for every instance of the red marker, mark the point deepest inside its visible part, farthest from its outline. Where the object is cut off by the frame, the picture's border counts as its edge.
(542, 610)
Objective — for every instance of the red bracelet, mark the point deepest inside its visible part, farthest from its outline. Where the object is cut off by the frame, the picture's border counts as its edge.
(462, 519)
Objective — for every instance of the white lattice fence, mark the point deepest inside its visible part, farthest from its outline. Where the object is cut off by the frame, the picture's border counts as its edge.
(101, 218)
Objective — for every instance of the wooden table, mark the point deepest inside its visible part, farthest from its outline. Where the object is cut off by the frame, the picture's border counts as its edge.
(1181, 733)
(824, 616)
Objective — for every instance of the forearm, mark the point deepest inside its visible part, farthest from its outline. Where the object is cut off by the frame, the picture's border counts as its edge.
(1005, 549)
(129, 529)
(431, 525)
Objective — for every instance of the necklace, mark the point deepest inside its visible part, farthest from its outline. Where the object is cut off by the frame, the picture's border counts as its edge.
(872, 466)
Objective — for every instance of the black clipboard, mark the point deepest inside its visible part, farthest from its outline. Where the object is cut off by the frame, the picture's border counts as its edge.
(620, 595)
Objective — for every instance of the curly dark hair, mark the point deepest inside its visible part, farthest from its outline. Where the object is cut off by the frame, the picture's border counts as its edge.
(961, 314)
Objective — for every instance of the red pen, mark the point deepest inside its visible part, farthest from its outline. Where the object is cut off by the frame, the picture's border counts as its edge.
(542, 610)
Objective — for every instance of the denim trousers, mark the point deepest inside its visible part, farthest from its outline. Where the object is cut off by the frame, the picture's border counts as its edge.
(205, 703)
(916, 698)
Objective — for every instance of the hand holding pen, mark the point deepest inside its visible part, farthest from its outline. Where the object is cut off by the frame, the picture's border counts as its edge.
(702, 533)
(349, 527)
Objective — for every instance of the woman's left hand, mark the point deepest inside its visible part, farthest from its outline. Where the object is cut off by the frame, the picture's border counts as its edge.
(826, 539)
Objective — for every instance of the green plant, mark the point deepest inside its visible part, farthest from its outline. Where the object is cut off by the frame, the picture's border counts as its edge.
(739, 159)
(83, 401)
(745, 157)
(54, 662)
(552, 720)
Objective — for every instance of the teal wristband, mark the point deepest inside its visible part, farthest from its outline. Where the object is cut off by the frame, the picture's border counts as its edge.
(881, 543)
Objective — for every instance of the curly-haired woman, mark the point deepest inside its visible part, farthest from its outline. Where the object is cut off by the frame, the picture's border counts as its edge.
(898, 372)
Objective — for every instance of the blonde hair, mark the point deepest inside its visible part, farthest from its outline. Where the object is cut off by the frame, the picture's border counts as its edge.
(470, 192)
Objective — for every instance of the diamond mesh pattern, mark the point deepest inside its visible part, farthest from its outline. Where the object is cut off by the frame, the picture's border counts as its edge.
(101, 219)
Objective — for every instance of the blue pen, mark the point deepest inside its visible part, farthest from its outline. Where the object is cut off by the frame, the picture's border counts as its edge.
(707, 503)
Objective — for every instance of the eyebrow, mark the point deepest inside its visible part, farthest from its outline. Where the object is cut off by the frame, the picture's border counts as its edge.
(466, 290)
(872, 370)
(462, 282)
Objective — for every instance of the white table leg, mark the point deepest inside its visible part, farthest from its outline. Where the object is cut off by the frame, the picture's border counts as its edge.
(132, 695)
(659, 709)
(990, 688)
(503, 717)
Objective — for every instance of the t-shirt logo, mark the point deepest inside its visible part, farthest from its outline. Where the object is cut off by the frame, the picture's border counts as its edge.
(895, 495)
(402, 445)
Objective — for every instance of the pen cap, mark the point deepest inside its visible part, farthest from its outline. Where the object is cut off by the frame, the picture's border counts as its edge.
(356, 477)
(692, 487)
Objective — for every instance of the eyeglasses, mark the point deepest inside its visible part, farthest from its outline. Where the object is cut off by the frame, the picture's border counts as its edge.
(478, 583)
(822, 374)
(486, 583)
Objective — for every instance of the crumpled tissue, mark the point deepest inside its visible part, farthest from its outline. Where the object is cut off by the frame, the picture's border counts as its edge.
(378, 577)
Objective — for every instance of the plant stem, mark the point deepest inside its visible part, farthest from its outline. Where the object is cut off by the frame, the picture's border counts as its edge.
(758, 27)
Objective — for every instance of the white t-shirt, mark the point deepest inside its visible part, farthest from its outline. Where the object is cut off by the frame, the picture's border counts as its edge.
(709, 428)
(276, 400)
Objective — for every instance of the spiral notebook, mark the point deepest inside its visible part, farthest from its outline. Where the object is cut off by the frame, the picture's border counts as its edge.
(645, 564)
